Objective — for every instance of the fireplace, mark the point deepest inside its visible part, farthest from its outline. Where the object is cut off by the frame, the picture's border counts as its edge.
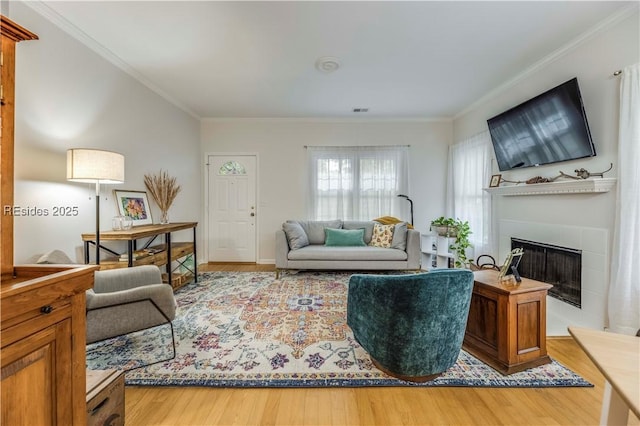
(559, 266)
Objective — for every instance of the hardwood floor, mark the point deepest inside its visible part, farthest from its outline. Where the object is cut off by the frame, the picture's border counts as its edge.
(374, 406)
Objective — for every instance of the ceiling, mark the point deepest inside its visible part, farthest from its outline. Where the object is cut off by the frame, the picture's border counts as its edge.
(398, 59)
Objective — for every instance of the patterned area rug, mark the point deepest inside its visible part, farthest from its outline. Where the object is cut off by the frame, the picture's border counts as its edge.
(241, 329)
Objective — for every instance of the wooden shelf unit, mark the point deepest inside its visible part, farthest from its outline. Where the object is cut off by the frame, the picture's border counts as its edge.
(165, 254)
(178, 250)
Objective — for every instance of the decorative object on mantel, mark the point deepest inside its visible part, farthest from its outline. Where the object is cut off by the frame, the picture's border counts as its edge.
(164, 189)
(585, 174)
(581, 173)
(450, 227)
(572, 186)
(540, 179)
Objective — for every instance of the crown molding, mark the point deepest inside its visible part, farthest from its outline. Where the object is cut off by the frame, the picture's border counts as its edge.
(554, 56)
(328, 119)
(75, 32)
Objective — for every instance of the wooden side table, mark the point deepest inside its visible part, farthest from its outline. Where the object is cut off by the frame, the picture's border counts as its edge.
(105, 398)
(507, 326)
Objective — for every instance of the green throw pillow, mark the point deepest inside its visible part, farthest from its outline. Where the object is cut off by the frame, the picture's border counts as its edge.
(344, 237)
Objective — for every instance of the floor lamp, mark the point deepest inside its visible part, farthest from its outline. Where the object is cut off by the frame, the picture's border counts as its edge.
(95, 166)
(410, 202)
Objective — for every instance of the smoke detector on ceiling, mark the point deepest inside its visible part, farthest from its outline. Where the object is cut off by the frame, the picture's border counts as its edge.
(327, 64)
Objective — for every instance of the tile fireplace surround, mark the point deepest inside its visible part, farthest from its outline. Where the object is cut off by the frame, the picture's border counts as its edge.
(594, 243)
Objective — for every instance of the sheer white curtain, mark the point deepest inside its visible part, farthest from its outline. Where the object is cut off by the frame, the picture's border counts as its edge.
(469, 172)
(624, 288)
(357, 183)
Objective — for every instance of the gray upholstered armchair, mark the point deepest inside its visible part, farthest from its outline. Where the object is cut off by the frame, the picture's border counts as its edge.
(126, 300)
(411, 325)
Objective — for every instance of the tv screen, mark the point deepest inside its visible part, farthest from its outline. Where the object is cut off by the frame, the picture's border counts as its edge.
(549, 128)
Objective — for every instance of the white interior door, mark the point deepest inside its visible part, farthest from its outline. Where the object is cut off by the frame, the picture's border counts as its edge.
(232, 208)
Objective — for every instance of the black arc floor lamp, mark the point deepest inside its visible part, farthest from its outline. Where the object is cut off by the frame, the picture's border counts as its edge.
(95, 166)
(410, 202)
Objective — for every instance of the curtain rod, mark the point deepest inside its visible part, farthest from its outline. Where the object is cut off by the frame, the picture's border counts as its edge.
(356, 146)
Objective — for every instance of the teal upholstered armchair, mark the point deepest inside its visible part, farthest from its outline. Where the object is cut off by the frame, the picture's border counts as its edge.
(412, 326)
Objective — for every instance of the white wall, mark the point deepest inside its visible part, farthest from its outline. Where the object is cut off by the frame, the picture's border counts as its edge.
(68, 96)
(282, 179)
(593, 61)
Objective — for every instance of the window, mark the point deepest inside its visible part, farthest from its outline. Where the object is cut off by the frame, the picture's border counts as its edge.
(232, 168)
(357, 183)
(469, 172)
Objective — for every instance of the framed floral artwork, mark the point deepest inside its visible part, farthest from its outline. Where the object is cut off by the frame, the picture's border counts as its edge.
(495, 181)
(135, 205)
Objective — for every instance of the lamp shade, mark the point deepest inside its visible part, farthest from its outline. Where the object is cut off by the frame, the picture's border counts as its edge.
(94, 165)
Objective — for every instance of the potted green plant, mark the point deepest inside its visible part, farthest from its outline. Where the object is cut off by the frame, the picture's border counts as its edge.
(444, 226)
(450, 227)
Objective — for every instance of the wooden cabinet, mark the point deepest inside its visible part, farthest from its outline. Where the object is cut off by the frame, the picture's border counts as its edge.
(25, 370)
(507, 322)
(42, 307)
(42, 345)
(163, 254)
(10, 34)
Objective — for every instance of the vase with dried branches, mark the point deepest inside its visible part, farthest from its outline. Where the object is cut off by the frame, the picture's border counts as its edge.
(163, 189)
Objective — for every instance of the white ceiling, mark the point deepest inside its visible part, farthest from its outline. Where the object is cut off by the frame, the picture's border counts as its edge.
(399, 59)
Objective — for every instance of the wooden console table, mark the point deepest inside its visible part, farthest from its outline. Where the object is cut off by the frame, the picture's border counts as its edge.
(161, 254)
(507, 325)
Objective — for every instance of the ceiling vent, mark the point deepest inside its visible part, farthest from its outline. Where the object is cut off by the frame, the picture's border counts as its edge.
(327, 64)
(361, 110)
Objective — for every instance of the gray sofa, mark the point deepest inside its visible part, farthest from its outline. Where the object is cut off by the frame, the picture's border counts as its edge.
(307, 250)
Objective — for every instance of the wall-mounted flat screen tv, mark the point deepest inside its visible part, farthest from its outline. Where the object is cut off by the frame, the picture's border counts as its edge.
(549, 128)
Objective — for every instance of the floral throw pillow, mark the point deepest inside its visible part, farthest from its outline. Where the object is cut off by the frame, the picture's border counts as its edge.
(382, 235)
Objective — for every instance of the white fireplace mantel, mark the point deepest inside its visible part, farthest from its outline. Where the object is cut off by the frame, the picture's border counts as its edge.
(582, 186)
